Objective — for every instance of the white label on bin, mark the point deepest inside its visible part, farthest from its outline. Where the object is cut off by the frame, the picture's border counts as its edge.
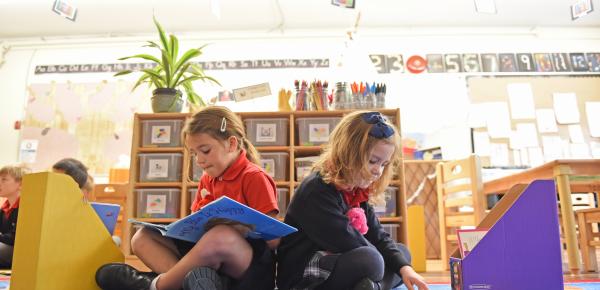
(156, 203)
(161, 135)
(266, 132)
(302, 172)
(158, 168)
(269, 166)
(318, 133)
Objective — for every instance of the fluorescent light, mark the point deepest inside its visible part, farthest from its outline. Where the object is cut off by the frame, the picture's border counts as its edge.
(485, 6)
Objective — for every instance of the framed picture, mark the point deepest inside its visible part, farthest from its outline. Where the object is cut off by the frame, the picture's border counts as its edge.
(65, 9)
(489, 62)
(344, 3)
(507, 62)
(525, 62)
(581, 8)
(435, 63)
(543, 62)
(594, 61)
(578, 62)
(561, 62)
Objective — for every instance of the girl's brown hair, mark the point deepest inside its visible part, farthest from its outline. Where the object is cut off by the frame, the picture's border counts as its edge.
(209, 120)
(347, 153)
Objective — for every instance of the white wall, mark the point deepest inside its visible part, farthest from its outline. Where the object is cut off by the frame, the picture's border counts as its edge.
(433, 104)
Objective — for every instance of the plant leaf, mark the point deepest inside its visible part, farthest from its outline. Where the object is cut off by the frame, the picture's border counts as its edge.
(167, 66)
(174, 47)
(142, 56)
(179, 74)
(162, 34)
(123, 72)
(194, 52)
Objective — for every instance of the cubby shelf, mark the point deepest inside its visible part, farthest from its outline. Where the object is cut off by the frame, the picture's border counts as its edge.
(293, 149)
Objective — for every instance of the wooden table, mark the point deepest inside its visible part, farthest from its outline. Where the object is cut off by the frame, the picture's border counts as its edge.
(570, 175)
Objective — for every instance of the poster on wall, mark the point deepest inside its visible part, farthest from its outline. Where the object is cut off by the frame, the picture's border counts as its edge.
(91, 122)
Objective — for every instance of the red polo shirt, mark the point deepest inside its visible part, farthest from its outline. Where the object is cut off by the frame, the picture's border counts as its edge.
(7, 208)
(244, 182)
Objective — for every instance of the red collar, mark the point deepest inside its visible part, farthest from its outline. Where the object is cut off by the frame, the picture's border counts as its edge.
(232, 172)
(7, 208)
(355, 197)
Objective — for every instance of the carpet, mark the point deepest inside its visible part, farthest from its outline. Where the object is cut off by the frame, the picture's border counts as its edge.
(568, 286)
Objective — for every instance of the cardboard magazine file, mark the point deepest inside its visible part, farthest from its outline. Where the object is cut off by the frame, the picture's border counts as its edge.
(60, 241)
(522, 249)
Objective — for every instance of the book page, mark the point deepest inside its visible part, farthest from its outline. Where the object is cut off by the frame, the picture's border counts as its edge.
(468, 239)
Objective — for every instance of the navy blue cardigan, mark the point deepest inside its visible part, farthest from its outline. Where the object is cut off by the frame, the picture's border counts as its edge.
(318, 211)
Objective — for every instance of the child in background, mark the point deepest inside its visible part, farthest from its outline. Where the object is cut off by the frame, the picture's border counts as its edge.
(340, 243)
(223, 258)
(10, 188)
(73, 168)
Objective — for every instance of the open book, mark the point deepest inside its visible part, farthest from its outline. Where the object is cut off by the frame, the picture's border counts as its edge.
(108, 213)
(468, 239)
(192, 227)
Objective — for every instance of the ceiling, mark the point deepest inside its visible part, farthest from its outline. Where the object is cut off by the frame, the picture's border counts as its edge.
(34, 18)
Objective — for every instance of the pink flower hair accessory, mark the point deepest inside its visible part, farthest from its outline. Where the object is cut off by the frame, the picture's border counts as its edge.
(358, 220)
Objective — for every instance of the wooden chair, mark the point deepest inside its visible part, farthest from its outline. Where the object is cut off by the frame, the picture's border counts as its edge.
(459, 185)
(587, 237)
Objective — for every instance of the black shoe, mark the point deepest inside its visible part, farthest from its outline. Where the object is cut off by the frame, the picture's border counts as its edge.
(204, 278)
(366, 284)
(117, 276)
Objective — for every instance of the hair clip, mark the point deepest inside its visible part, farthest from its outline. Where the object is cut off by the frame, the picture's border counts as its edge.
(379, 129)
(223, 125)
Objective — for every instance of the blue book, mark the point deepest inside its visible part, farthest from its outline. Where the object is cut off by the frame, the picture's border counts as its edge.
(108, 213)
(192, 227)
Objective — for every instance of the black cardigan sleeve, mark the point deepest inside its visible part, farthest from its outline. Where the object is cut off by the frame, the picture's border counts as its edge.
(394, 259)
(321, 216)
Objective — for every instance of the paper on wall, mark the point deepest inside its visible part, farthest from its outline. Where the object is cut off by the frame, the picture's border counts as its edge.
(595, 146)
(520, 97)
(515, 141)
(528, 134)
(477, 115)
(481, 144)
(28, 150)
(580, 151)
(516, 158)
(592, 111)
(536, 157)
(499, 154)
(552, 148)
(524, 157)
(576, 134)
(565, 108)
(498, 120)
(546, 122)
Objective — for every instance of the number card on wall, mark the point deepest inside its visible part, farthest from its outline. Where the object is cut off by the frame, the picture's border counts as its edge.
(489, 62)
(579, 62)
(471, 62)
(561, 62)
(543, 62)
(507, 62)
(525, 62)
(453, 63)
(435, 63)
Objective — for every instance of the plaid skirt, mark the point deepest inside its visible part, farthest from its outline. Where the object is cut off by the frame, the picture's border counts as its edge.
(313, 275)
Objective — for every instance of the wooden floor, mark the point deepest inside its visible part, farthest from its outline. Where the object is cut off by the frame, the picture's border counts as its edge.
(434, 273)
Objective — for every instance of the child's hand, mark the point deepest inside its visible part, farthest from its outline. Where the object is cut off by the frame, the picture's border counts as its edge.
(411, 279)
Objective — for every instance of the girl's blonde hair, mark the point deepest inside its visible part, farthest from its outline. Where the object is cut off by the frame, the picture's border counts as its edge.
(221, 123)
(347, 154)
(17, 172)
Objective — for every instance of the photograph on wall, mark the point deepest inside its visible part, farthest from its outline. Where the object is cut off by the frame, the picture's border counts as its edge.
(507, 62)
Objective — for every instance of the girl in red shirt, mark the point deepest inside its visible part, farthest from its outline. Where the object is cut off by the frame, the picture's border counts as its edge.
(223, 258)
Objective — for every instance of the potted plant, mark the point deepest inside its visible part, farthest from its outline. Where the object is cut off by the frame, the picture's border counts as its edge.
(170, 73)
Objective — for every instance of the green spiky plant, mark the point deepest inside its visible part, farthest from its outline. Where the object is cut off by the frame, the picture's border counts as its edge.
(171, 72)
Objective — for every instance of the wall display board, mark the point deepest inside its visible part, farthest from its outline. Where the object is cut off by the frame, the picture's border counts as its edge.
(530, 120)
(88, 121)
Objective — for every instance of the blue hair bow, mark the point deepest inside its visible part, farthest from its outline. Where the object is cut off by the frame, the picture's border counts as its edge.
(379, 129)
